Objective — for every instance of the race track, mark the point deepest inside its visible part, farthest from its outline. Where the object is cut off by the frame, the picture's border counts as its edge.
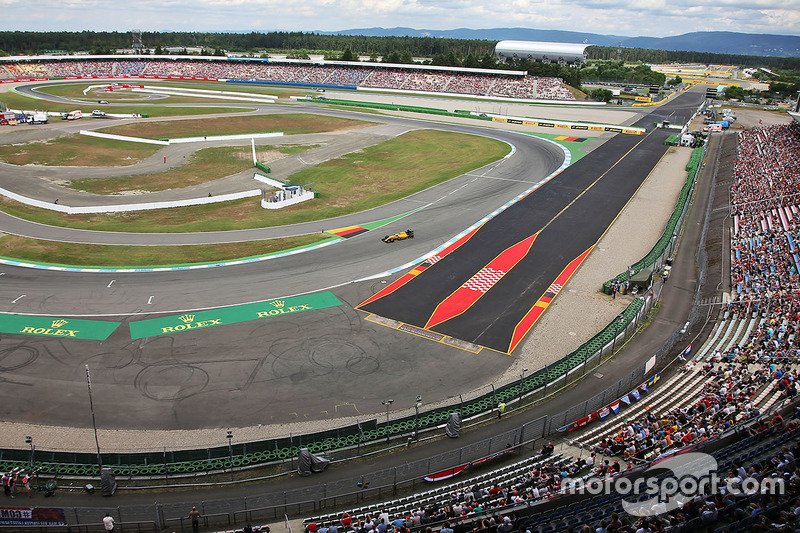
(265, 372)
(330, 362)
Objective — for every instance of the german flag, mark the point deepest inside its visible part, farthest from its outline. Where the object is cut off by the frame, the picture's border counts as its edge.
(350, 231)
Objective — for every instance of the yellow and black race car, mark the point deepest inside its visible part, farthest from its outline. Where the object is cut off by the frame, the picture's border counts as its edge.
(403, 235)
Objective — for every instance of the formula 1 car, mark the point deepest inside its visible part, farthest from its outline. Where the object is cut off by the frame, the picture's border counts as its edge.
(403, 235)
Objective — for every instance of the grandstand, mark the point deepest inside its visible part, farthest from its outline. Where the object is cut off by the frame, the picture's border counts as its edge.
(546, 52)
(330, 74)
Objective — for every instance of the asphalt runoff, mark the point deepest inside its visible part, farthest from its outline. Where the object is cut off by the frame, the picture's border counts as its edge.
(326, 366)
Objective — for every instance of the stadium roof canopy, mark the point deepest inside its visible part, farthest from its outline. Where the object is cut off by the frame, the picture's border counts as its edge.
(542, 51)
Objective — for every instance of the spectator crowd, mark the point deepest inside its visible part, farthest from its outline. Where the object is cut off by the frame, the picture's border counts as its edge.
(382, 77)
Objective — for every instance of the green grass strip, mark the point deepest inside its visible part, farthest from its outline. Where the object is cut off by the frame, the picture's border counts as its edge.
(68, 255)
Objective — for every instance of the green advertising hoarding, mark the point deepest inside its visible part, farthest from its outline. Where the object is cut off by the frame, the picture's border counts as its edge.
(231, 315)
(48, 326)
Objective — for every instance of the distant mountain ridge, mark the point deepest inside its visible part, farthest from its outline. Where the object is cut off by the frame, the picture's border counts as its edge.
(719, 42)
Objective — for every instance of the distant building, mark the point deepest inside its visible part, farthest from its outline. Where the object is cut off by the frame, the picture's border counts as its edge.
(179, 49)
(568, 53)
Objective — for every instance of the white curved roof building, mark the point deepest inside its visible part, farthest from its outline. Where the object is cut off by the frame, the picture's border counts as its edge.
(541, 51)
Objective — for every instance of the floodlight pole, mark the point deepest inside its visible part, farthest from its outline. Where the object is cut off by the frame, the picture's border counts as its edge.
(94, 421)
(388, 404)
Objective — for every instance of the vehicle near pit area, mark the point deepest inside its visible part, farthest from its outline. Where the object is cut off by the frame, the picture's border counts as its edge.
(403, 235)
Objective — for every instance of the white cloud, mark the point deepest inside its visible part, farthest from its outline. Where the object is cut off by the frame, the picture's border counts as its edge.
(656, 18)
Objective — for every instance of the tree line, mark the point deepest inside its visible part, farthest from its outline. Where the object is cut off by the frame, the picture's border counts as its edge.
(646, 55)
(605, 63)
(452, 50)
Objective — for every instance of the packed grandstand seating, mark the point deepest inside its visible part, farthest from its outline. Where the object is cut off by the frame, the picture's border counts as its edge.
(731, 385)
(526, 497)
(406, 79)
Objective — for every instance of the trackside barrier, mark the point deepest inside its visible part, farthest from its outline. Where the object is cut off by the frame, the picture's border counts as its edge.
(219, 96)
(61, 208)
(264, 168)
(272, 182)
(123, 138)
(493, 98)
(665, 246)
(287, 196)
(226, 137)
(167, 142)
(547, 123)
(391, 107)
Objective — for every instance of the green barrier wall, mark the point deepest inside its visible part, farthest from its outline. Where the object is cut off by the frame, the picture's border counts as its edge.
(393, 107)
(264, 168)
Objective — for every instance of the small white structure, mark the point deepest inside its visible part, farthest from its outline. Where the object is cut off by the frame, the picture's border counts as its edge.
(286, 194)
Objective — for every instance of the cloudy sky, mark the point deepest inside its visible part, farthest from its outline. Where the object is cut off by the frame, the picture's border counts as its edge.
(654, 18)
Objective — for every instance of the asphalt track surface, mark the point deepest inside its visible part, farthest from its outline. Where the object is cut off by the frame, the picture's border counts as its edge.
(323, 364)
(567, 216)
(676, 303)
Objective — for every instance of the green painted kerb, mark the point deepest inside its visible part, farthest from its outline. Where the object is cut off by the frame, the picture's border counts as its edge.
(231, 315)
(48, 326)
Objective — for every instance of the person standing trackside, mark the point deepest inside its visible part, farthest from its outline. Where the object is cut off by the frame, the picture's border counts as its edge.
(500, 408)
(165, 160)
(194, 515)
(108, 522)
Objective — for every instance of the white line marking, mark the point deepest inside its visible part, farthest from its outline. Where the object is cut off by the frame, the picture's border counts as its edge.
(110, 282)
(150, 301)
(499, 178)
(18, 299)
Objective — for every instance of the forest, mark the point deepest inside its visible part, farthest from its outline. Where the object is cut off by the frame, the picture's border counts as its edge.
(605, 63)
(453, 50)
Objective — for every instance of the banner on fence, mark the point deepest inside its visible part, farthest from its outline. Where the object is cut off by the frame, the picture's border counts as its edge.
(32, 516)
